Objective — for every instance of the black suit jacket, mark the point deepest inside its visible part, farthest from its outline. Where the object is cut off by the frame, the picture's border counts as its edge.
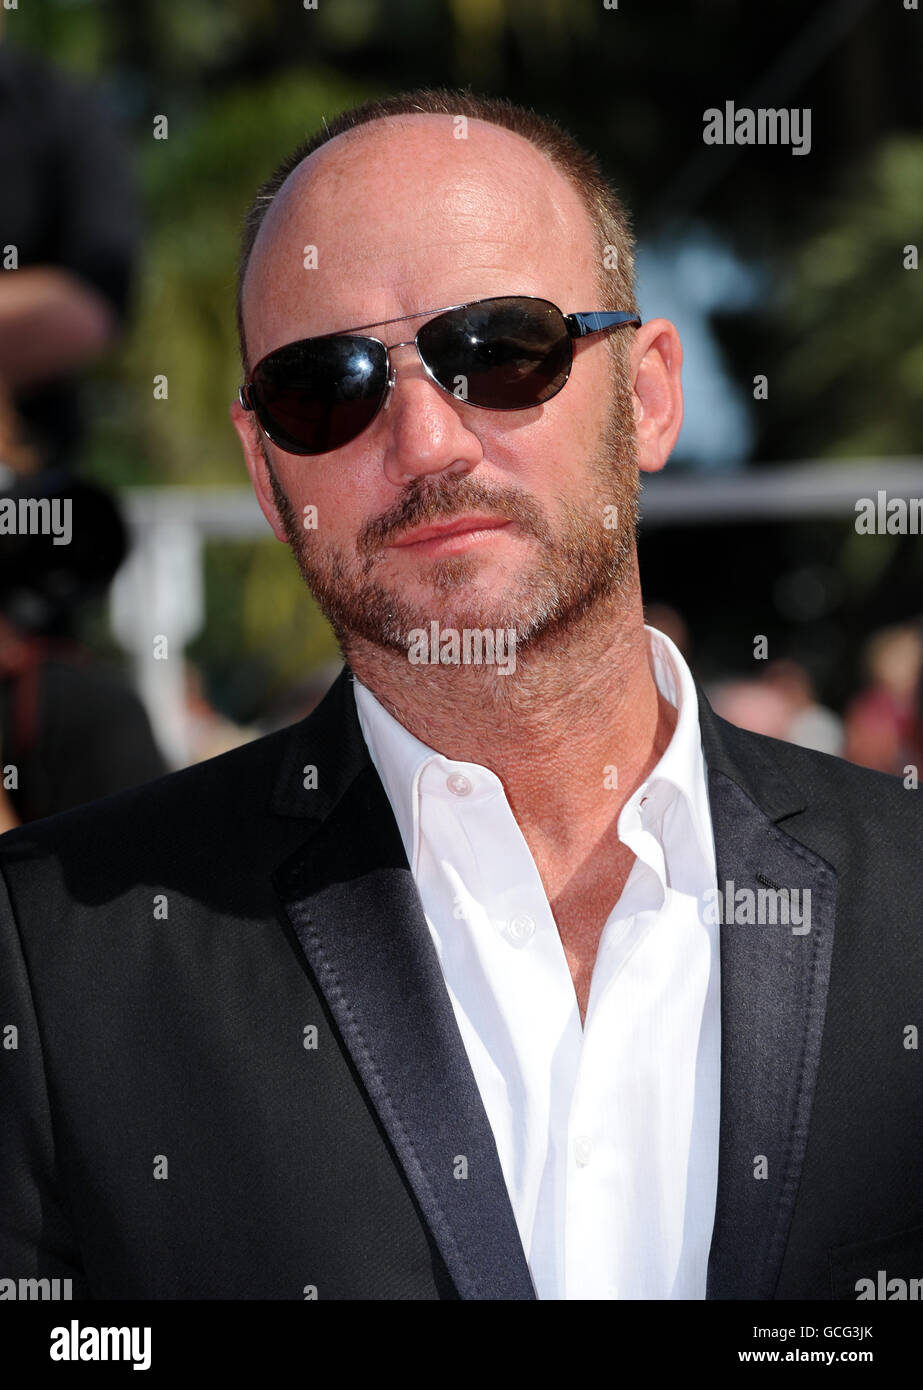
(166, 1132)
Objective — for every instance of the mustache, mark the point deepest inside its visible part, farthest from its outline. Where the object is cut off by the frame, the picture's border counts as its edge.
(425, 502)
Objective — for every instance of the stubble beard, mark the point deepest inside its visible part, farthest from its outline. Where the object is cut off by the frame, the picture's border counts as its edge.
(590, 559)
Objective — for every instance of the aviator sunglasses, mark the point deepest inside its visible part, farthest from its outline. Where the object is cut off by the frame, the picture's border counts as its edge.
(508, 353)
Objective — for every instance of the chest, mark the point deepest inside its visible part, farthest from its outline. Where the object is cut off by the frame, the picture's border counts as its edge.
(581, 897)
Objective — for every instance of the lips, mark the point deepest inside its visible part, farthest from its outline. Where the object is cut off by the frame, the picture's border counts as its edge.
(458, 526)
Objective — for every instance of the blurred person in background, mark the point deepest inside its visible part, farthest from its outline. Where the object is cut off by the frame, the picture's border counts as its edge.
(749, 703)
(810, 724)
(69, 230)
(780, 702)
(882, 721)
(71, 727)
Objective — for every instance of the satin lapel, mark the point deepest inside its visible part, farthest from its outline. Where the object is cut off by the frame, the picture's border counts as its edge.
(773, 997)
(352, 902)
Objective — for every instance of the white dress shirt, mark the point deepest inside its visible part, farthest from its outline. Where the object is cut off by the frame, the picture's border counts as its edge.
(607, 1134)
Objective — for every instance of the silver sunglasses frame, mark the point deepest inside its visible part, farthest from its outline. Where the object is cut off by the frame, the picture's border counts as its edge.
(578, 325)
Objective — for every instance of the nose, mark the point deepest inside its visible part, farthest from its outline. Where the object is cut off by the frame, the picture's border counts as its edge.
(426, 428)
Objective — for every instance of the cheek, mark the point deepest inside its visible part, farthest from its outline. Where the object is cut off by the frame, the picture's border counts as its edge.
(575, 421)
(325, 494)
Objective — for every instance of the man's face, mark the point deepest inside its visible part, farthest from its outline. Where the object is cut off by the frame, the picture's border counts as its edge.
(405, 217)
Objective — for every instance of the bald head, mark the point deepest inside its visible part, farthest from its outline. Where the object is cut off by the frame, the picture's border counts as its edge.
(417, 171)
(374, 222)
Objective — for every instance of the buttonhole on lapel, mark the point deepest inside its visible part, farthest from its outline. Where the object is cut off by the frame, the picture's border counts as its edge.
(770, 883)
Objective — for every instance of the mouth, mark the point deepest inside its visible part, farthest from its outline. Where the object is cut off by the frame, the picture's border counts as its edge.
(451, 536)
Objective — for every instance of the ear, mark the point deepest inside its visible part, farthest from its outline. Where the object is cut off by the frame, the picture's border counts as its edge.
(244, 422)
(656, 365)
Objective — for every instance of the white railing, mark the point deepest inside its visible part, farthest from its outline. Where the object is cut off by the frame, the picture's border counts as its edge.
(159, 591)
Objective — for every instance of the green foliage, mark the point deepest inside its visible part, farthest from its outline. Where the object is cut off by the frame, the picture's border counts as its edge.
(853, 312)
(197, 185)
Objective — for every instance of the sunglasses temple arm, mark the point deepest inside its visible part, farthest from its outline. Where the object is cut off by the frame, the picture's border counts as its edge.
(580, 325)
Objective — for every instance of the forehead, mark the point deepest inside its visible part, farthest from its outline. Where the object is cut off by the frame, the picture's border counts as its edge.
(381, 219)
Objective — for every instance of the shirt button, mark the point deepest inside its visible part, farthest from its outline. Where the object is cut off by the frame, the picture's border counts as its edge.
(521, 928)
(458, 784)
(583, 1148)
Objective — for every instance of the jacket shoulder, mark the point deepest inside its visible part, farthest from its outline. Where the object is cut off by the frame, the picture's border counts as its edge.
(186, 804)
(825, 788)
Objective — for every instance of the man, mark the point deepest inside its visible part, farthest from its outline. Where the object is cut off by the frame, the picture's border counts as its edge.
(438, 994)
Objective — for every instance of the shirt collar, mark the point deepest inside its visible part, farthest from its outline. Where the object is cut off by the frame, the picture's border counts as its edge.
(682, 766)
(400, 758)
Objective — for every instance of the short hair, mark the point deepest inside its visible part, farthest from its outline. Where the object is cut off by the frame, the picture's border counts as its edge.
(608, 216)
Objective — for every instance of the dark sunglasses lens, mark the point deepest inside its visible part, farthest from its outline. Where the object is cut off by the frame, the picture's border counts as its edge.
(317, 395)
(505, 354)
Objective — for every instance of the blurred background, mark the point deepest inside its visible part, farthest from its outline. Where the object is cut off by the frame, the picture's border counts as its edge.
(132, 138)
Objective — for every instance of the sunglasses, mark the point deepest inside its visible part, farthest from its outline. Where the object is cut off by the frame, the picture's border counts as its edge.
(510, 353)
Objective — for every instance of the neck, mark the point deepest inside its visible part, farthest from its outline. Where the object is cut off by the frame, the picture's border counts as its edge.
(571, 732)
